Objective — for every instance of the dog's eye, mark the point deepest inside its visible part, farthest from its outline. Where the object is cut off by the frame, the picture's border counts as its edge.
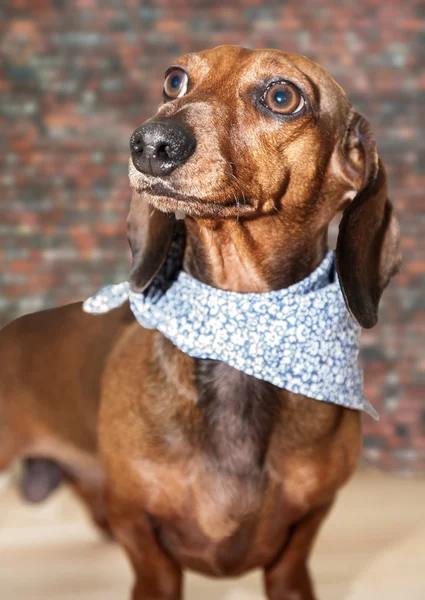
(283, 98)
(175, 84)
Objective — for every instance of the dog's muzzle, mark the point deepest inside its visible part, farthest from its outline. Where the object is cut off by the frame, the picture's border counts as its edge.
(157, 148)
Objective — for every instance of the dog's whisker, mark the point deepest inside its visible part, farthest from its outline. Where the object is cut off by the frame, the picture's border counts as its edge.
(238, 183)
(237, 206)
(273, 221)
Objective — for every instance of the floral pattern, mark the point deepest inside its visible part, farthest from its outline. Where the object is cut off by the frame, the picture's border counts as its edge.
(301, 338)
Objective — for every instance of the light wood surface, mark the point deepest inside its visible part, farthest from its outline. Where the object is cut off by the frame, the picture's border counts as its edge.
(371, 548)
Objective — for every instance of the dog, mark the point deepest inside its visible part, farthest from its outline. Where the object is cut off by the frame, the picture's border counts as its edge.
(189, 462)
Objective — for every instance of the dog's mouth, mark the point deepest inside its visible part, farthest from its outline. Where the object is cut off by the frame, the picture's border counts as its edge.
(164, 198)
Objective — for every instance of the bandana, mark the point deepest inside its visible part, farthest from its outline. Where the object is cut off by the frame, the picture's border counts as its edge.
(301, 338)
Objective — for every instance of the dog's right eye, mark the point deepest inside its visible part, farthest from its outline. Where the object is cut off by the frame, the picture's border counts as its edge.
(283, 98)
(175, 84)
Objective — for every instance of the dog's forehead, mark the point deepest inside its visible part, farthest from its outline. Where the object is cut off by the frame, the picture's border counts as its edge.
(236, 60)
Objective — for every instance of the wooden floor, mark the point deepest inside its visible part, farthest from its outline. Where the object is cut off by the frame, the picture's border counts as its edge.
(372, 548)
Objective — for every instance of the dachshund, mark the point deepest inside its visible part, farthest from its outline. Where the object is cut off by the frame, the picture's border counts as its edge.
(189, 462)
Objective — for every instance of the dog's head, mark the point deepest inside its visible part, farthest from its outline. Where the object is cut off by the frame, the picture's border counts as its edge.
(242, 133)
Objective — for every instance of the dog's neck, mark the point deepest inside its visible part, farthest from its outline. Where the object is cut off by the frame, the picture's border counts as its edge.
(240, 411)
(250, 255)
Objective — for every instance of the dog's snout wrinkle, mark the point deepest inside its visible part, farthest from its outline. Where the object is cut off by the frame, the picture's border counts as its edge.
(158, 148)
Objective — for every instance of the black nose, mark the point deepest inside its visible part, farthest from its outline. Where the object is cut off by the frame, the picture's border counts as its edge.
(157, 148)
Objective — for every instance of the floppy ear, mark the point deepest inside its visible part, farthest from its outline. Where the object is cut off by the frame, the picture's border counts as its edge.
(367, 251)
(149, 234)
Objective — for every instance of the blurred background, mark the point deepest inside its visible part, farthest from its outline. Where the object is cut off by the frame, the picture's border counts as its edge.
(76, 78)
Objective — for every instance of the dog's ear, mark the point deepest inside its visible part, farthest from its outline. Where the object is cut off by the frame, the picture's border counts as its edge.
(149, 233)
(367, 251)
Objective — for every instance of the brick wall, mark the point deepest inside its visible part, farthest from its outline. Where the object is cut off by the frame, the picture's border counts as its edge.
(78, 76)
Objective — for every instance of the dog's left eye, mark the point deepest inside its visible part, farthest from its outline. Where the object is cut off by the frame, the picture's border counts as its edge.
(175, 84)
(283, 98)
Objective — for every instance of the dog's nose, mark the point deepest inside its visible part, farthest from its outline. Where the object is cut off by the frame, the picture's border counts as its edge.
(157, 148)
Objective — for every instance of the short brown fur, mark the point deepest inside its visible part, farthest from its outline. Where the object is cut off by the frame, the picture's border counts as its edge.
(191, 463)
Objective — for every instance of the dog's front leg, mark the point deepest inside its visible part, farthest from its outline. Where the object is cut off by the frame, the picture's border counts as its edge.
(158, 577)
(288, 578)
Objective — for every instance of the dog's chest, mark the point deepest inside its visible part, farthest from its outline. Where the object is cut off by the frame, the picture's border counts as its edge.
(221, 472)
(216, 457)
(225, 507)
(220, 491)
(222, 463)
(237, 414)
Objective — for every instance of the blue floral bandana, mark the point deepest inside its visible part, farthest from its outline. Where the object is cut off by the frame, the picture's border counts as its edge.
(301, 338)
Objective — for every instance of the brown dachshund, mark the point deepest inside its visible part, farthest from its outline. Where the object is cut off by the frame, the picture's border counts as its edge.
(191, 463)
